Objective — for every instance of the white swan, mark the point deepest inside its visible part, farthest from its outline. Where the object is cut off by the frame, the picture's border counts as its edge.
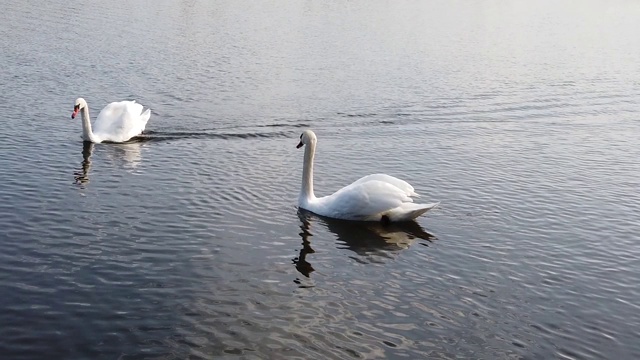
(377, 197)
(117, 122)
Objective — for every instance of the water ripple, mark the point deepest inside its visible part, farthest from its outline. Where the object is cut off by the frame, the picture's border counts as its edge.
(187, 242)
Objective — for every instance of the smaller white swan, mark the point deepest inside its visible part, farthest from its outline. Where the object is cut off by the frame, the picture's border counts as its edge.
(377, 197)
(117, 122)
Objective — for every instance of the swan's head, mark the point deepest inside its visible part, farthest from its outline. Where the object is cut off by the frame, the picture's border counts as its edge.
(80, 104)
(306, 138)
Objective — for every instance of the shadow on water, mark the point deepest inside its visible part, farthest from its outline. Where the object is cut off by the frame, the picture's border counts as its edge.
(363, 238)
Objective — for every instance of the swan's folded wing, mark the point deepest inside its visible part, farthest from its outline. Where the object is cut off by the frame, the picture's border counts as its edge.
(361, 200)
(119, 121)
(401, 184)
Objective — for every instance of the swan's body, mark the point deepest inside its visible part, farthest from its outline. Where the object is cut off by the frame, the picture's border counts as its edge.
(377, 197)
(117, 122)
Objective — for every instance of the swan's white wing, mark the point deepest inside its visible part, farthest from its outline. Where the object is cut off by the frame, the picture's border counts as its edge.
(409, 211)
(400, 184)
(120, 121)
(362, 200)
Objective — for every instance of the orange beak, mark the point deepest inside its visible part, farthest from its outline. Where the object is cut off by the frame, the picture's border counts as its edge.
(75, 111)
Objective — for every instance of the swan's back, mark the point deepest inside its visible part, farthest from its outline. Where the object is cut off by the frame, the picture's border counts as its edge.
(370, 200)
(120, 121)
(362, 200)
(400, 184)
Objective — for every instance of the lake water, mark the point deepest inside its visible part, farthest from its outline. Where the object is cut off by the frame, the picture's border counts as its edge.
(521, 117)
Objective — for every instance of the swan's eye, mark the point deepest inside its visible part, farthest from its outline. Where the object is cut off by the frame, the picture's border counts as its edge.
(76, 107)
(301, 136)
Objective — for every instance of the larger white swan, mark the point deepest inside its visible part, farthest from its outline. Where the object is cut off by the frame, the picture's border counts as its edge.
(117, 122)
(377, 197)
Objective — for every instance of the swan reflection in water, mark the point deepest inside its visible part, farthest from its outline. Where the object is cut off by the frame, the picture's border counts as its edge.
(363, 238)
(81, 176)
(127, 155)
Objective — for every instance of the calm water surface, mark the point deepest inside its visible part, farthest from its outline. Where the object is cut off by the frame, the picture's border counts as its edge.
(523, 118)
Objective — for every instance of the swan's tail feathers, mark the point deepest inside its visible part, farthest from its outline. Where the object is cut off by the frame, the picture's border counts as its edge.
(145, 117)
(410, 211)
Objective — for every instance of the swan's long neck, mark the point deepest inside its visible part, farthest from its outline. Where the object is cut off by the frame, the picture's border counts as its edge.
(87, 134)
(306, 191)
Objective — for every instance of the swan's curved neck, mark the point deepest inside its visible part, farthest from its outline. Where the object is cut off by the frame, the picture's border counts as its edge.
(87, 134)
(306, 191)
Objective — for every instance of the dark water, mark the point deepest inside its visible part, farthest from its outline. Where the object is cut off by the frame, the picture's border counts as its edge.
(523, 118)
